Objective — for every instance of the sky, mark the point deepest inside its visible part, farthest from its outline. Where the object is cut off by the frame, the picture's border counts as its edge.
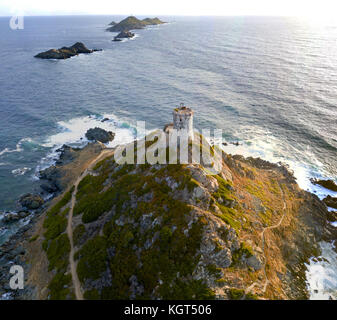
(322, 9)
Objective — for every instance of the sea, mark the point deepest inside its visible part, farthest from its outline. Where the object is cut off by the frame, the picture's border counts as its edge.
(270, 83)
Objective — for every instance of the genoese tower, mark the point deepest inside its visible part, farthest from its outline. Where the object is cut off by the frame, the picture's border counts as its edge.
(183, 120)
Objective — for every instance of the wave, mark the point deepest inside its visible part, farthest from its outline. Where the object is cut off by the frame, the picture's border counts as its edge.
(72, 133)
(322, 274)
(305, 165)
(18, 148)
(20, 171)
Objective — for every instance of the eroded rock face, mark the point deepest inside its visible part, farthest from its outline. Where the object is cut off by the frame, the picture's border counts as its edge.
(99, 134)
(65, 52)
(31, 201)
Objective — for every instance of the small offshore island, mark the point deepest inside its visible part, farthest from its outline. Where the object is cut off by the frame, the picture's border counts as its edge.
(141, 231)
(66, 52)
(131, 23)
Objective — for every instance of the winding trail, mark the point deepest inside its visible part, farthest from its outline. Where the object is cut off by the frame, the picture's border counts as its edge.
(247, 290)
(76, 282)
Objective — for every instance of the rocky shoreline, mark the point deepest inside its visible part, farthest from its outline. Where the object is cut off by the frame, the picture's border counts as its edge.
(54, 180)
(313, 217)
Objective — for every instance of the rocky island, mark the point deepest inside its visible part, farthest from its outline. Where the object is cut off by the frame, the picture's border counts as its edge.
(124, 35)
(172, 231)
(66, 52)
(132, 23)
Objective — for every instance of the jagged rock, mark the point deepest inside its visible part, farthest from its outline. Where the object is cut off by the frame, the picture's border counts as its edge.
(11, 217)
(124, 35)
(330, 202)
(31, 201)
(67, 154)
(254, 262)
(327, 184)
(49, 187)
(66, 52)
(332, 216)
(99, 134)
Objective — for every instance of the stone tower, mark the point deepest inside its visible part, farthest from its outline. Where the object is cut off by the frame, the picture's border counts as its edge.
(183, 120)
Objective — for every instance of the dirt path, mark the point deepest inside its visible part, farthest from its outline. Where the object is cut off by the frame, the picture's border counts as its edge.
(247, 290)
(76, 283)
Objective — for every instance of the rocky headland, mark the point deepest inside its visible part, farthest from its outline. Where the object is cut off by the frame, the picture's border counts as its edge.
(171, 231)
(66, 52)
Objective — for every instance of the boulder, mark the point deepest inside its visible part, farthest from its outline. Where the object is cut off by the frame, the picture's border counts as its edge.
(51, 173)
(49, 187)
(332, 216)
(31, 201)
(327, 184)
(99, 134)
(330, 202)
(10, 217)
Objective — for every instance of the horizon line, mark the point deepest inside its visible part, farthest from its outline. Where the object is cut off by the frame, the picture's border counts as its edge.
(159, 15)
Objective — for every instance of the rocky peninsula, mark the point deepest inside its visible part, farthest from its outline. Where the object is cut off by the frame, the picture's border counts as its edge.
(141, 231)
(66, 52)
(177, 233)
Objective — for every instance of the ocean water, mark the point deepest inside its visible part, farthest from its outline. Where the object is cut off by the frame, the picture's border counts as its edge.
(269, 83)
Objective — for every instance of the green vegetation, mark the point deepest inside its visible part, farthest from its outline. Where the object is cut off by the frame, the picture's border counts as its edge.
(57, 252)
(59, 287)
(34, 238)
(92, 261)
(213, 270)
(236, 294)
(224, 195)
(244, 251)
(55, 224)
(78, 232)
(57, 247)
(171, 254)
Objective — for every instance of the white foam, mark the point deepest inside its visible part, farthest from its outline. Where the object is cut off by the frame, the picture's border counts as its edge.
(303, 163)
(20, 171)
(18, 147)
(322, 275)
(72, 132)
